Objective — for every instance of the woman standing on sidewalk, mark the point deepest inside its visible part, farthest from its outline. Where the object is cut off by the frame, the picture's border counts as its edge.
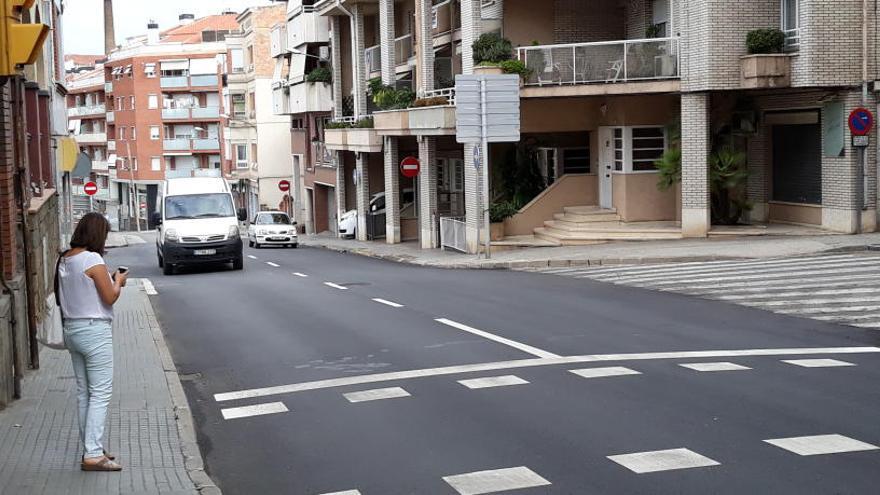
(87, 293)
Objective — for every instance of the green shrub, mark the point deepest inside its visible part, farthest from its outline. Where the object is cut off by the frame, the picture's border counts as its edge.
(434, 101)
(337, 125)
(765, 41)
(320, 74)
(364, 123)
(515, 67)
(491, 47)
(389, 97)
(502, 210)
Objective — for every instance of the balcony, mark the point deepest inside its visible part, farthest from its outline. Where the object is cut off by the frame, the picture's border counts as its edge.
(99, 166)
(622, 61)
(206, 113)
(92, 138)
(175, 113)
(362, 140)
(280, 101)
(204, 80)
(199, 113)
(177, 145)
(191, 145)
(111, 117)
(85, 111)
(206, 144)
(174, 82)
(403, 51)
(192, 172)
(108, 87)
(310, 97)
(111, 145)
(438, 120)
(278, 45)
(305, 25)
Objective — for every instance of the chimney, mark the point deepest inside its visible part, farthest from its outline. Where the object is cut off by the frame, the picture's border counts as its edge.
(186, 19)
(152, 32)
(109, 31)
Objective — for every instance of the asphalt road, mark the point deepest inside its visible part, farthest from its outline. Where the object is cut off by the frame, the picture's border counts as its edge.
(237, 333)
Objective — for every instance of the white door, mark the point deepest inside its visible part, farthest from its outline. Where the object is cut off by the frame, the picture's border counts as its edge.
(606, 166)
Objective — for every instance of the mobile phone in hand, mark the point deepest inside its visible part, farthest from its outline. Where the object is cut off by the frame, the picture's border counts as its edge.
(122, 269)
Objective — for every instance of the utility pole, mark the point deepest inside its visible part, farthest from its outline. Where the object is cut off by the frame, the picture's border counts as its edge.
(109, 30)
(133, 194)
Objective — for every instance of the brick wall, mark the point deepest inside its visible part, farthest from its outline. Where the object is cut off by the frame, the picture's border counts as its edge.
(638, 18)
(8, 258)
(695, 146)
(601, 20)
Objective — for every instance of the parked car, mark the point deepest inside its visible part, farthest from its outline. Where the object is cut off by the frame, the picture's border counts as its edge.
(348, 220)
(272, 228)
(197, 223)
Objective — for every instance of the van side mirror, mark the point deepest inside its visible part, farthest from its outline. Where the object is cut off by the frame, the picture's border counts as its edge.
(157, 218)
(242, 214)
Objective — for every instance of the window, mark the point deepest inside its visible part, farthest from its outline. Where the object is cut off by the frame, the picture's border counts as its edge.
(154, 132)
(131, 102)
(618, 150)
(241, 156)
(156, 163)
(239, 106)
(128, 71)
(152, 102)
(134, 162)
(119, 101)
(250, 58)
(273, 219)
(253, 151)
(122, 132)
(296, 124)
(150, 70)
(648, 145)
(133, 133)
(660, 17)
(575, 160)
(791, 23)
(251, 105)
(237, 60)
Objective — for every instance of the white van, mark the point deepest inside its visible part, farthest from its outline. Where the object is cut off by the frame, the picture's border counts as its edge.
(197, 223)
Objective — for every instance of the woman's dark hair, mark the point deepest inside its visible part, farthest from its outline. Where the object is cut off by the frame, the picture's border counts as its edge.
(91, 233)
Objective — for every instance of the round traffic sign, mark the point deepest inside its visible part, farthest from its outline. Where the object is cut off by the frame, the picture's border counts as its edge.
(90, 188)
(861, 120)
(284, 186)
(410, 166)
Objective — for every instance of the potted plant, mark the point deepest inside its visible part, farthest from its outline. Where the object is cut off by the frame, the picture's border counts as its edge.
(320, 74)
(766, 65)
(491, 49)
(516, 67)
(498, 213)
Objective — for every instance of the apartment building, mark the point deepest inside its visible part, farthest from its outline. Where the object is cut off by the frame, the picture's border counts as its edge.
(257, 139)
(165, 115)
(87, 122)
(302, 91)
(610, 82)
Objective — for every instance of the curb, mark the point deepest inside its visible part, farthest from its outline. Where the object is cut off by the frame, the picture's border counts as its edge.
(564, 263)
(192, 457)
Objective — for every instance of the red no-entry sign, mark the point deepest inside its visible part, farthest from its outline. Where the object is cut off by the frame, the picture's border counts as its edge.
(410, 166)
(861, 120)
(90, 188)
(284, 185)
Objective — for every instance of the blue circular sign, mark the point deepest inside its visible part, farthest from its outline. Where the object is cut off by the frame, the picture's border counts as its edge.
(861, 120)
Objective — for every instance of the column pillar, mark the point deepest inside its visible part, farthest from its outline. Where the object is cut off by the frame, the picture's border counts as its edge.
(336, 60)
(386, 36)
(428, 217)
(363, 194)
(695, 148)
(392, 191)
(425, 55)
(471, 29)
(357, 61)
(340, 187)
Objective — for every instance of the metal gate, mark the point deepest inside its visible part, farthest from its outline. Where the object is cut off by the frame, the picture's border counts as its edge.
(375, 226)
(453, 233)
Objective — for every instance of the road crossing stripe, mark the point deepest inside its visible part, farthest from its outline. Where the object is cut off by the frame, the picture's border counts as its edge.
(300, 275)
(825, 310)
(148, 287)
(775, 276)
(376, 394)
(687, 265)
(818, 363)
(251, 256)
(495, 480)
(605, 372)
(272, 264)
(347, 492)
(812, 302)
(495, 338)
(493, 381)
(663, 460)
(710, 367)
(528, 363)
(335, 286)
(822, 283)
(255, 410)
(873, 324)
(387, 303)
(821, 444)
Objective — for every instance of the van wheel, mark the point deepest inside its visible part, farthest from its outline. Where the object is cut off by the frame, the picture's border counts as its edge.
(168, 269)
(250, 243)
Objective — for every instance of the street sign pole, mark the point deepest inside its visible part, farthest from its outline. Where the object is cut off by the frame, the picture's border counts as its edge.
(484, 173)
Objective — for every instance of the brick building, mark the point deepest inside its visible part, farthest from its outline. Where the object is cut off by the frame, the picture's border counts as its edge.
(34, 198)
(165, 115)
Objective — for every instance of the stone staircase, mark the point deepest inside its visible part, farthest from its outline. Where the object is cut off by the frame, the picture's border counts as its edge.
(581, 225)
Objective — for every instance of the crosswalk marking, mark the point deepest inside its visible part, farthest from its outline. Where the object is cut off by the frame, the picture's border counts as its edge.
(724, 366)
(376, 394)
(605, 372)
(495, 480)
(495, 381)
(347, 492)
(839, 288)
(662, 460)
(255, 410)
(821, 444)
(818, 363)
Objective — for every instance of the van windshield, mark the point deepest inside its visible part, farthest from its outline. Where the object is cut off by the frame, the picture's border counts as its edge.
(198, 206)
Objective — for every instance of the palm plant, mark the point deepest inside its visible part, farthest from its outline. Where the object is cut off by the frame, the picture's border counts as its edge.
(727, 180)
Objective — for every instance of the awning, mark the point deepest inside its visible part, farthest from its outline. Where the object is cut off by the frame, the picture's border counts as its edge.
(202, 66)
(111, 160)
(116, 71)
(128, 69)
(174, 64)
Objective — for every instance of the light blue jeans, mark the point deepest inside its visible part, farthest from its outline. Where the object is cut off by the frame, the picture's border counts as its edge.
(90, 343)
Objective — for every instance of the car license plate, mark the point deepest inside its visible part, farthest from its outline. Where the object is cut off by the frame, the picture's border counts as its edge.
(204, 252)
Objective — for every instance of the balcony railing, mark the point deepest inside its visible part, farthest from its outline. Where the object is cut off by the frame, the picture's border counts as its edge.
(448, 93)
(111, 117)
(99, 165)
(279, 40)
(92, 137)
(175, 113)
(206, 144)
(86, 110)
(792, 39)
(206, 113)
(177, 145)
(373, 58)
(205, 80)
(108, 87)
(198, 113)
(111, 145)
(606, 61)
(174, 82)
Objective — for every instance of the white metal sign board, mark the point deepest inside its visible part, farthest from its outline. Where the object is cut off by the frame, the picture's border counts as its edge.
(502, 109)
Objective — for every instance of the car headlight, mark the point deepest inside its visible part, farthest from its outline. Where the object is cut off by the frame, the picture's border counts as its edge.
(170, 235)
(234, 232)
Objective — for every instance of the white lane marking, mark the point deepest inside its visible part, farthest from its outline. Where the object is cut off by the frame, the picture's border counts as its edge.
(494, 381)
(149, 288)
(826, 310)
(495, 338)
(251, 256)
(753, 277)
(387, 303)
(527, 363)
(300, 275)
(495, 480)
(802, 295)
(272, 264)
(347, 492)
(817, 280)
(604, 372)
(335, 286)
(255, 410)
(818, 363)
(821, 444)
(873, 324)
(376, 394)
(662, 460)
(723, 366)
(811, 302)
(704, 265)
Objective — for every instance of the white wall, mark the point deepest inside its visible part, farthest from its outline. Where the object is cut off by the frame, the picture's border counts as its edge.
(273, 145)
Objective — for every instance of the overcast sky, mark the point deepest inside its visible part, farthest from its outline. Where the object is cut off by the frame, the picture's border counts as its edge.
(84, 20)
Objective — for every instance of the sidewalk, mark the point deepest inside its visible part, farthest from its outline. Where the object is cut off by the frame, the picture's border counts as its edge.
(149, 425)
(634, 252)
(122, 239)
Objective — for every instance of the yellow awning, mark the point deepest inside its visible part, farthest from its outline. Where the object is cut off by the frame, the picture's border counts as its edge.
(68, 151)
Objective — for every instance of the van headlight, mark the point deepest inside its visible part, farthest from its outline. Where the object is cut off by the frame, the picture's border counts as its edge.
(234, 232)
(171, 235)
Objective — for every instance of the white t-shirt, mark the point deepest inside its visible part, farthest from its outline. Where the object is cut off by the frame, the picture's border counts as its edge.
(79, 295)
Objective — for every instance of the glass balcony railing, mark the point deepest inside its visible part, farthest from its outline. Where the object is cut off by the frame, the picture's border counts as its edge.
(176, 145)
(175, 113)
(206, 113)
(174, 82)
(206, 144)
(206, 80)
